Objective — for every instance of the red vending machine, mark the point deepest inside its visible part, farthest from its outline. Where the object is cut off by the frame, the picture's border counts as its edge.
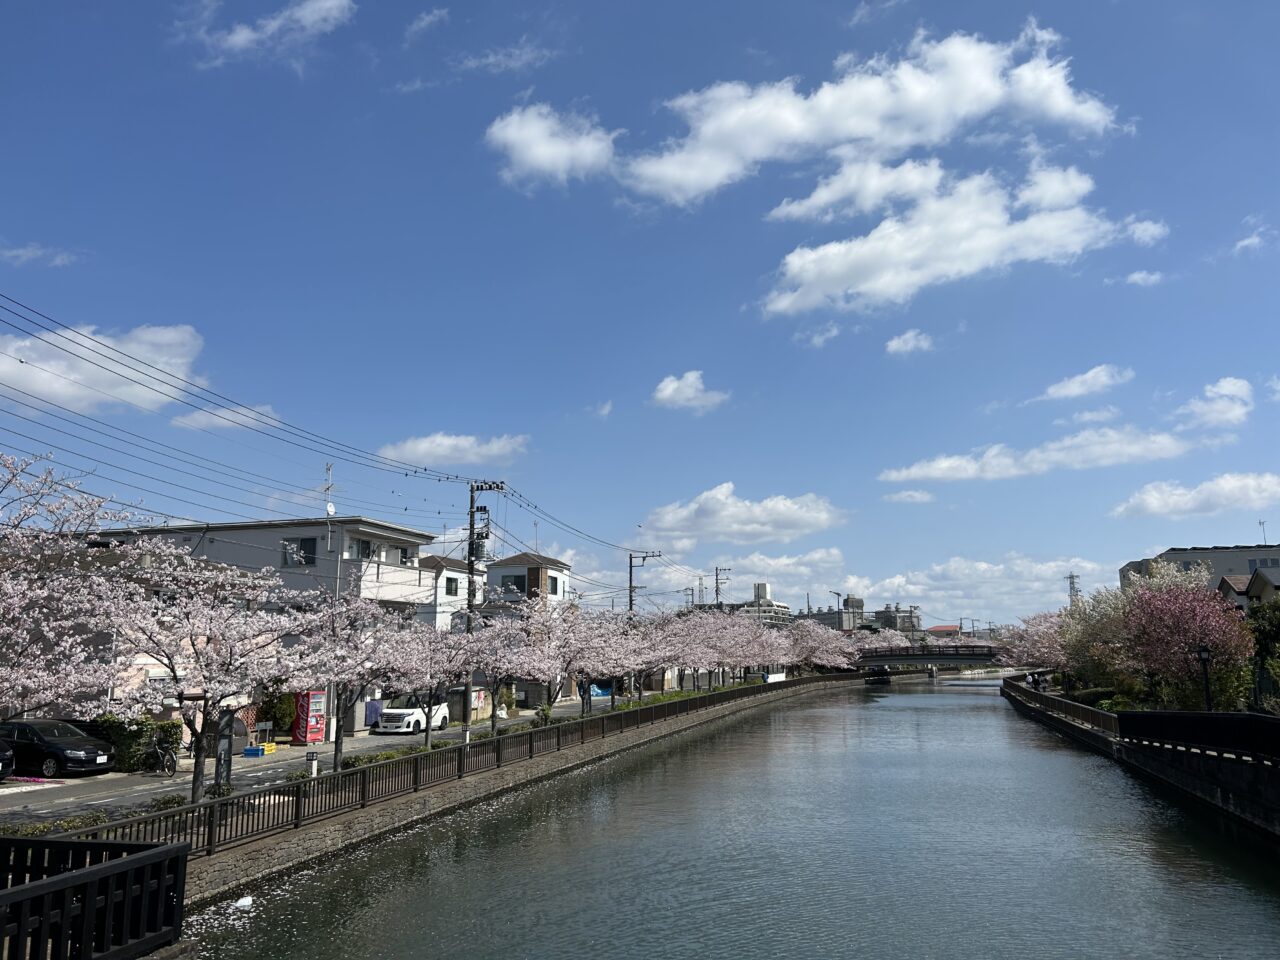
(308, 717)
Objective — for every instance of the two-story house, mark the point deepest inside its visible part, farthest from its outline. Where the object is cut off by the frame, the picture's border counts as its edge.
(528, 575)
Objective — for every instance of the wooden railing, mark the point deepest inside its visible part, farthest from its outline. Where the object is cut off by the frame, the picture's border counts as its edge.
(79, 899)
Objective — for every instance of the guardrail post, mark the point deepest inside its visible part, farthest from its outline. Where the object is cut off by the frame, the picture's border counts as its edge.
(297, 805)
(364, 786)
(211, 828)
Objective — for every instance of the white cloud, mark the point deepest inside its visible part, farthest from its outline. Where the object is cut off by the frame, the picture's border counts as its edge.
(912, 341)
(1259, 236)
(1099, 447)
(1145, 278)
(1146, 233)
(37, 253)
(540, 143)
(882, 106)
(424, 22)
(440, 449)
(719, 514)
(1100, 415)
(909, 496)
(687, 392)
(818, 338)
(525, 54)
(1274, 386)
(862, 186)
(288, 34)
(1229, 491)
(1054, 188)
(232, 418)
(1000, 590)
(59, 377)
(1098, 379)
(603, 410)
(965, 229)
(1226, 403)
(865, 11)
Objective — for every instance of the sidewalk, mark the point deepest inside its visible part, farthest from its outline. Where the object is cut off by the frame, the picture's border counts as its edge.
(36, 800)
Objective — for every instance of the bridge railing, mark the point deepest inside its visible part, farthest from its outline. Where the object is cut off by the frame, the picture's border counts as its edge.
(1090, 716)
(925, 651)
(215, 824)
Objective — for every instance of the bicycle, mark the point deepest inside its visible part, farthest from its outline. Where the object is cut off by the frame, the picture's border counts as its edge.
(163, 758)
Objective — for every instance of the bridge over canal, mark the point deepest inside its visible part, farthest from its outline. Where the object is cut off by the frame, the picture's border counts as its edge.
(924, 654)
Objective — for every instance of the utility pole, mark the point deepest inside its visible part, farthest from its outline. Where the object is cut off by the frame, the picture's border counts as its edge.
(631, 574)
(1073, 587)
(720, 580)
(476, 486)
(689, 591)
(702, 592)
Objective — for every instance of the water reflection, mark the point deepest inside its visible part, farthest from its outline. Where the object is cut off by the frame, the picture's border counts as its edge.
(923, 820)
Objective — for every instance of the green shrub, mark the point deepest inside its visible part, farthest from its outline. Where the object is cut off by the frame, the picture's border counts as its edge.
(167, 801)
(218, 790)
(293, 776)
(79, 822)
(132, 738)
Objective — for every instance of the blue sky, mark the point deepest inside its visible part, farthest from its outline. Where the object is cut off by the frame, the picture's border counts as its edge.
(929, 302)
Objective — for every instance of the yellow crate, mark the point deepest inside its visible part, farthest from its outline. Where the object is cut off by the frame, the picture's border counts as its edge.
(268, 748)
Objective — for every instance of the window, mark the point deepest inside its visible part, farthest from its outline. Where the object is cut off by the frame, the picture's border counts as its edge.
(513, 583)
(553, 585)
(406, 556)
(450, 586)
(299, 552)
(359, 549)
(1253, 565)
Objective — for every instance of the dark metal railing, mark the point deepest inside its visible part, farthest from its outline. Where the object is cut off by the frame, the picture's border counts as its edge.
(212, 825)
(927, 651)
(1089, 716)
(79, 899)
(1241, 735)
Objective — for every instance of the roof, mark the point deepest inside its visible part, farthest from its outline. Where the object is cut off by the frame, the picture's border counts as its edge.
(944, 628)
(433, 562)
(1236, 582)
(395, 529)
(1238, 546)
(528, 559)
(1270, 574)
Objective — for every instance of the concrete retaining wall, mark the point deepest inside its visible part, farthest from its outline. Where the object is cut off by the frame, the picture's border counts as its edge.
(220, 875)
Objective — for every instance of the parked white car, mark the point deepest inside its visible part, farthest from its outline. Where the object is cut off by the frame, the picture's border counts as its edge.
(408, 714)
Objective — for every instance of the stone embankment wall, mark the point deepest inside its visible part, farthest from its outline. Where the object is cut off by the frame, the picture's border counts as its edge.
(240, 866)
(1246, 791)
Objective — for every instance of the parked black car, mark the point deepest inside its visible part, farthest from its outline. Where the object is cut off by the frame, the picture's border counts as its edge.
(53, 747)
(6, 760)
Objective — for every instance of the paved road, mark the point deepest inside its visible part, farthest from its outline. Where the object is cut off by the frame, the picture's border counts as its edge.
(116, 792)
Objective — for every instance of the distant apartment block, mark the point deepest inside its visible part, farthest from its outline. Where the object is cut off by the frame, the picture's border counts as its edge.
(847, 618)
(1218, 561)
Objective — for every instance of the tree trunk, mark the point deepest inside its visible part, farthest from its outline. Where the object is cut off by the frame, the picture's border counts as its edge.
(197, 754)
(613, 693)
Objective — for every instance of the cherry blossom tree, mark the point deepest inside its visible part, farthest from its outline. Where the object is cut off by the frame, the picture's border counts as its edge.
(49, 652)
(208, 635)
(1037, 642)
(427, 661)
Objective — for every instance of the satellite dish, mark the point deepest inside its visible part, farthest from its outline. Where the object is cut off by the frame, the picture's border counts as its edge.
(329, 509)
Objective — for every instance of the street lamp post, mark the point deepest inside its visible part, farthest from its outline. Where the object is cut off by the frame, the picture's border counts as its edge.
(1203, 655)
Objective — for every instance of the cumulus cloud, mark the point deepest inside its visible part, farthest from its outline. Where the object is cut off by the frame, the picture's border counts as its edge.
(424, 22)
(288, 34)
(1100, 415)
(1260, 235)
(1144, 278)
(36, 367)
(443, 449)
(862, 186)
(1098, 379)
(1146, 233)
(913, 341)
(909, 496)
(687, 392)
(819, 337)
(719, 514)
(37, 254)
(1229, 491)
(882, 106)
(1274, 386)
(523, 55)
(539, 143)
(1098, 447)
(1226, 403)
(231, 418)
(967, 227)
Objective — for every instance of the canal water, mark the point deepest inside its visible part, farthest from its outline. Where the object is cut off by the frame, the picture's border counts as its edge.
(918, 821)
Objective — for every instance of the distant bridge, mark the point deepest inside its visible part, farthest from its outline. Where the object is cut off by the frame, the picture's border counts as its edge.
(928, 653)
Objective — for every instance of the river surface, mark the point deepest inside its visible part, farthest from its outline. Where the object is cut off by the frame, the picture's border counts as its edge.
(918, 821)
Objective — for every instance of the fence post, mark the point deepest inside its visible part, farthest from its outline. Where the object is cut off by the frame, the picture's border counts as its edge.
(530, 744)
(462, 759)
(497, 751)
(417, 772)
(364, 786)
(211, 828)
(297, 805)
(558, 732)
